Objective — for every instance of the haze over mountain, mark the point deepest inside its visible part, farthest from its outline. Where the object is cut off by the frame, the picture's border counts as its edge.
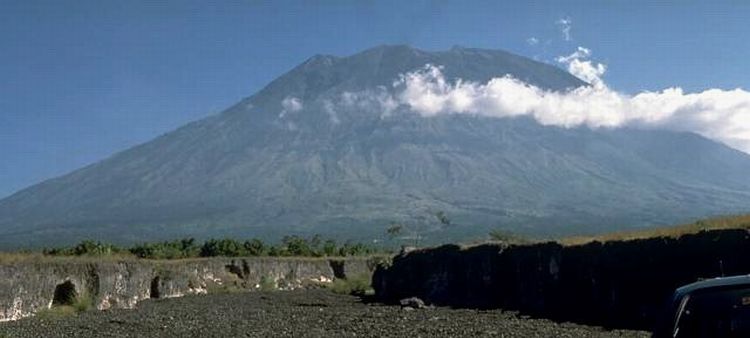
(324, 149)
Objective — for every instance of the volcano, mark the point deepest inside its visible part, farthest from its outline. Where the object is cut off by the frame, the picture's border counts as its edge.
(309, 154)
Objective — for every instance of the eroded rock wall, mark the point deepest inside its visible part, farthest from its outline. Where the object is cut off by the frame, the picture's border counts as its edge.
(621, 284)
(28, 286)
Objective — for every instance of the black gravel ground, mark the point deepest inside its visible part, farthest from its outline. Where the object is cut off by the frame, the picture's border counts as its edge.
(309, 313)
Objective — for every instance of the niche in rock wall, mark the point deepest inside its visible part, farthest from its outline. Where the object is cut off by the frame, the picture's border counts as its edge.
(338, 268)
(154, 290)
(235, 270)
(65, 294)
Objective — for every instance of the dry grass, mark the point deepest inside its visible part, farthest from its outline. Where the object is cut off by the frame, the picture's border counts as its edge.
(727, 222)
(37, 257)
(675, 231)
(56, 312)
(15, 257)
(25, 257)
(81, 303)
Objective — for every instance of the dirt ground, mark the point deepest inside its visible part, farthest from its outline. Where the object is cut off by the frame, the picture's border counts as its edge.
(308, 313)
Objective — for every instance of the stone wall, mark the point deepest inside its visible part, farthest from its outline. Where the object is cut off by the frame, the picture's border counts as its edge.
(28, 286)
(619, 284)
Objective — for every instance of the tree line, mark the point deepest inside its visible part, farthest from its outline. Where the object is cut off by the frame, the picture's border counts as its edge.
(190, 248)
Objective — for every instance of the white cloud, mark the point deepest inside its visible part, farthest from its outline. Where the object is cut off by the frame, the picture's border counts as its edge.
(330, 109)
(290, 104)
(565, 25)
(532, 41)
(580, 53)
(722, 115)
(584, 69)
(378, 100)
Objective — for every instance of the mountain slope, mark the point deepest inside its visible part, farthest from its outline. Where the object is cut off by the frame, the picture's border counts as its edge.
(290, 159)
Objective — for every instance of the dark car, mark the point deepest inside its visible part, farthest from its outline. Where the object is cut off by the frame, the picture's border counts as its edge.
(714, 308)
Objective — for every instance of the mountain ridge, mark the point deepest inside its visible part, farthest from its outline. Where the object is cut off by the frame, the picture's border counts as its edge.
(254, 170)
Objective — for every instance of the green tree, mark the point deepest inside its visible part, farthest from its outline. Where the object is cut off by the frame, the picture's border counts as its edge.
(315, 246)
(296, 246)
(224, 247)
(255, 247)
(273, 251)
(91, 248)
(329, 247)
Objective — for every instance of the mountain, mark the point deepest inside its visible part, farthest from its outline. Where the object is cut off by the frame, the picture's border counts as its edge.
(309, 153)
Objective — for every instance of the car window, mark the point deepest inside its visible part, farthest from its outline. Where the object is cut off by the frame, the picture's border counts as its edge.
(723, 313)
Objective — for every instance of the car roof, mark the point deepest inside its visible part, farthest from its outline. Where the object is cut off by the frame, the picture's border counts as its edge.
(713, 283)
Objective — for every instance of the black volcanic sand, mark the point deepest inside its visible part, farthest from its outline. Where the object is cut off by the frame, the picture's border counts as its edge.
(309, 313)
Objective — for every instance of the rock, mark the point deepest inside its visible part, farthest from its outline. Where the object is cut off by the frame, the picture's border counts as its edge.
(407, 249)
(613, 284)
(31, 284)
(412, 302)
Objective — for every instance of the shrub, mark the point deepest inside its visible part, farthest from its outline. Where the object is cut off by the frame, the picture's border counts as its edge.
(80, 303)
(188, 248)
(357, 249)
(329, 247)
(267, 283)
(359, 285)
(83, 302)
(184, 248)
(296, 246)
(274, 251)
(222, 247)
(86, 248)
(255, 247)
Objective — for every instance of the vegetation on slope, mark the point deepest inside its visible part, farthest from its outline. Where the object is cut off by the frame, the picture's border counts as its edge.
(296, 246)
(189, 248)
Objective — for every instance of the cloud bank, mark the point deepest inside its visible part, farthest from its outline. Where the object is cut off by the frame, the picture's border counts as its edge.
(722, 115)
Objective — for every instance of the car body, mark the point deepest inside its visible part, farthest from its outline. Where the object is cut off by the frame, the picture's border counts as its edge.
(718, 307)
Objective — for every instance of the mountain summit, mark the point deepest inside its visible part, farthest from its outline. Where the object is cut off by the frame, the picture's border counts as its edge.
(322, 150)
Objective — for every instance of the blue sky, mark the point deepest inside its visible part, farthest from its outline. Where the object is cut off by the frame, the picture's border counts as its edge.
(81, 80)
